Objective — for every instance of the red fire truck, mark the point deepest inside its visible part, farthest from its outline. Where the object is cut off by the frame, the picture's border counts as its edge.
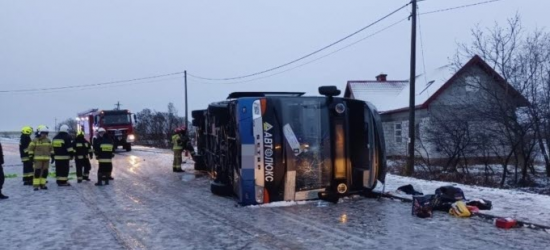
(117, 123)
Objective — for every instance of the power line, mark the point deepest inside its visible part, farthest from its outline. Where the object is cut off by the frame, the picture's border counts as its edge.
(305, 56)
(90, 85)
(458, 7)
(422, 49)
(311, 61)
(65, 90)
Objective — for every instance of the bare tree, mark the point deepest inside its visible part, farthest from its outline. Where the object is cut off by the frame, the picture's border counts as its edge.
(523, 61)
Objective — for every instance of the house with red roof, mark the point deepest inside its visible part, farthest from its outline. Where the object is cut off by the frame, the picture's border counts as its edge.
(443, 87)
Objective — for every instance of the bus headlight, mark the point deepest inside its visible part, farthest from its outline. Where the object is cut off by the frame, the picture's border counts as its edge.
(131, 138)
(259, 195)
(342, 188)
(340, 108)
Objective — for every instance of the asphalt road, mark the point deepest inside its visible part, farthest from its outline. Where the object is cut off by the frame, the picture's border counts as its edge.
(148, 206)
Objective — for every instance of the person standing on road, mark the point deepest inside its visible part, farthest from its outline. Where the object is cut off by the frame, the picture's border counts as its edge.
(40, 152)
(24, 153)
(83, 149)
(63, 154)
(103, 149)
(2, 196)
(177, 147)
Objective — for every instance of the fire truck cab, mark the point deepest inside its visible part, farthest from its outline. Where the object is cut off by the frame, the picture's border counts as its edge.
(117, 123)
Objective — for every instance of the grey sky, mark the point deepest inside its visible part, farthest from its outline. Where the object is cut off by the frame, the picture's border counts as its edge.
(61, 43)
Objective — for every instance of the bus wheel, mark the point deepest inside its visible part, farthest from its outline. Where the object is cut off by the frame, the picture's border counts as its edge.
(128, 147)
(220, 189)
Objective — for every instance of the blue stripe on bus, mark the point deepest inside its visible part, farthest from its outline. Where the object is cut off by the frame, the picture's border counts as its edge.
(247, 184)
(244, 107)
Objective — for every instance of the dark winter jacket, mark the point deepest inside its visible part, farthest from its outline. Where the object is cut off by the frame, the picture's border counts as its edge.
(24, 147)
(82, 147)
(1, 155)
(62, 146)
(103, 149)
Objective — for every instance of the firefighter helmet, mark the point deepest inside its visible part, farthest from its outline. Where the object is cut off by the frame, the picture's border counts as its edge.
(64, 128)
(181, 129)
(42, 129)
(27, 130)
(101, 130)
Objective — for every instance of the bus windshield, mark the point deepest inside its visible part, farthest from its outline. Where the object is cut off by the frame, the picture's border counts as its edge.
(307, 135)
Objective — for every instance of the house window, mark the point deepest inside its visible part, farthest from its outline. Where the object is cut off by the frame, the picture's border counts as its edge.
(472, 83)
(398, 132)
(417, 131)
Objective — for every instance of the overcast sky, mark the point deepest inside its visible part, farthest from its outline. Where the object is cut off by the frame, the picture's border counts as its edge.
(62, 43)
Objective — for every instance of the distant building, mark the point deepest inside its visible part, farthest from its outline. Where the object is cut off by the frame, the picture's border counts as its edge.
(443, 87)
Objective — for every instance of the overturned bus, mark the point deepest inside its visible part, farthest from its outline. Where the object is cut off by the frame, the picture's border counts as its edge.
(262, 147)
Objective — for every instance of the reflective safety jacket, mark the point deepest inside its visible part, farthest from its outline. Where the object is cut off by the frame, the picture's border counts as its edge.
(62, 146)
(82, 148)
(40, 149)
(24, 147)
(177, 142)
(103, 149)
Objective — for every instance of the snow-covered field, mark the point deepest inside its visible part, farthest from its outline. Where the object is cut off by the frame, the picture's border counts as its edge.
(149, 207)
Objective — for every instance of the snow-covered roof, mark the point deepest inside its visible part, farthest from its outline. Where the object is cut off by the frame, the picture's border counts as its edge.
(394, 95)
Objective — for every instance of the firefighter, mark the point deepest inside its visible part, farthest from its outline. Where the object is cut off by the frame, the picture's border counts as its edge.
(180, 142)
(2, 196)
(63, 154)
(103, 150)
(83, 149)
(40, 152)
(23, 152)
(177, 147)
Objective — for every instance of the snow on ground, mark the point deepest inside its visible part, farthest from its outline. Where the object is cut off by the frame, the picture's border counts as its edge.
(529, 207)
(148, 206)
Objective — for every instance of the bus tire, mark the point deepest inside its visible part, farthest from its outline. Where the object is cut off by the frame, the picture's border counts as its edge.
(220, 189)
(128, 147)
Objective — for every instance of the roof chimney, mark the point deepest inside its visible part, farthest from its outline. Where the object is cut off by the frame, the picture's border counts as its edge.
(381, 77)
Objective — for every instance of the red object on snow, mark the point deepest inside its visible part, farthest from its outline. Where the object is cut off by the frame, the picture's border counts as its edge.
(473, 209)
(505, 223)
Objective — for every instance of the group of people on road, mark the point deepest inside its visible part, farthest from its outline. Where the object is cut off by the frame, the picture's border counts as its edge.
(37, 154)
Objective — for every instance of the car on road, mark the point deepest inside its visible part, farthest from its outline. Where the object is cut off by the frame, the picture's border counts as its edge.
(263, 147)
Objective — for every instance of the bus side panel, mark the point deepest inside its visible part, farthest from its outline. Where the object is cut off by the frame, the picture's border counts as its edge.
(246, 195)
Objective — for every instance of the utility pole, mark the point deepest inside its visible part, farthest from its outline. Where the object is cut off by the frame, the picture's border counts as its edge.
(186, 116)
(117, 105)
(409, 170)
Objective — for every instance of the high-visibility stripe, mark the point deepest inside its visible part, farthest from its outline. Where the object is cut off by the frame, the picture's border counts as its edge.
(57, 143)
(36, 181)
(28, 174)
(42, 181)
(25, 150)
(25, 159)
(79, 178)
(62, 157)
(106, 147)
(31, 152)
(62, 178)
(41, 158)
(177, 148)
(80, 157)
(104, 160)
(78, 145)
